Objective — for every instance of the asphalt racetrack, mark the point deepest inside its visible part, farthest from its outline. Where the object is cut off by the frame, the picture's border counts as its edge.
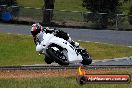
(102, 36)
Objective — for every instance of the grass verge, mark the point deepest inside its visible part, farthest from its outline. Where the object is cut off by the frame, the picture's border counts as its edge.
(20, 50)
(31, 3)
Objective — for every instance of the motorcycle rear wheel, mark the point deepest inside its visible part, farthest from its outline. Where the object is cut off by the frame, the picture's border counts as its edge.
(57, 56)
(48, 60)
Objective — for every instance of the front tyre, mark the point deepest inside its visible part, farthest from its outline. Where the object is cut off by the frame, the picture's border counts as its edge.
(58, 56)
(86, 57)
(86, 61)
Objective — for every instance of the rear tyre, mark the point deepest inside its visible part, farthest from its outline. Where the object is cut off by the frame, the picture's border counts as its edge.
(48, 60)
(58, 56)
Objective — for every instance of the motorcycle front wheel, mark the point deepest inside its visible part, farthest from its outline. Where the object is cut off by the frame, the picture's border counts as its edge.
(86, 57)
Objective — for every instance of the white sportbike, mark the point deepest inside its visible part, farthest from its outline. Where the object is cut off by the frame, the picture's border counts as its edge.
(61, 51)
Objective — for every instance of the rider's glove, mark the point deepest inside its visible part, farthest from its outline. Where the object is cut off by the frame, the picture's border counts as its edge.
(76, 44)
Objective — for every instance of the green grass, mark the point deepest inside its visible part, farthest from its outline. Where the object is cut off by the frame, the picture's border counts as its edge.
(31, 3)
(20, 50)
(70, 5)
(54, 83)
(63, 16)
(58, 82)
(17, 50)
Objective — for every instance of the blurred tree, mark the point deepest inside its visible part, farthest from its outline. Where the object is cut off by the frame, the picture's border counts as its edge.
(101, 6)
(130, 15)
(109, 7)
(48, 11)
(8, 2)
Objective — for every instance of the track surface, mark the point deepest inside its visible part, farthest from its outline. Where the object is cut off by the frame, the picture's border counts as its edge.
(116, 61)
(47, 67)
(104, 36)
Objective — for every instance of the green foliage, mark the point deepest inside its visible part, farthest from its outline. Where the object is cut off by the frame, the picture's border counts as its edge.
(126, 5)
(8, 2)
(130, 17)
(101, 6)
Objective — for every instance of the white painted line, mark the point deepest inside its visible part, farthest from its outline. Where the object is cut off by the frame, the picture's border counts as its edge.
(102, 43)
(8, 33)
(115, 59)
(29, 35)
(96, 42)
(19, 34)
(83, 41)
(62, 10)
(75, 11)
(27, 7)
(130, 46)
(38, 8)
(104, 61)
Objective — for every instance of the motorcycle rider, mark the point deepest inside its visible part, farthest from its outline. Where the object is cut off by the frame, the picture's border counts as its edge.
(37, 32)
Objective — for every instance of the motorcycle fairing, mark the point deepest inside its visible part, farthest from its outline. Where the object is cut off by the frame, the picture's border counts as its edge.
(51, 39)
